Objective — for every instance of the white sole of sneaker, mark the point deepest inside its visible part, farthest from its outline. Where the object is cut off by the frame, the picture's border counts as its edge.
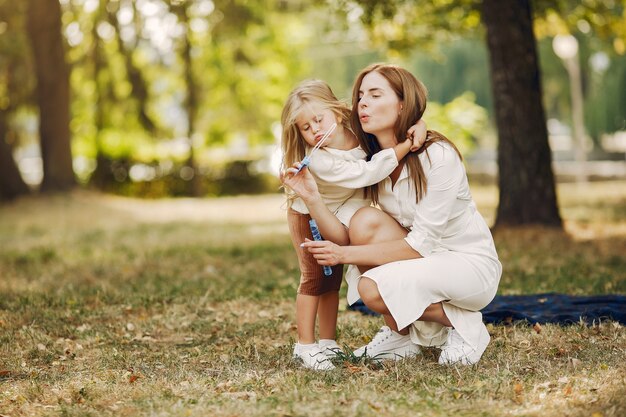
(398, 354)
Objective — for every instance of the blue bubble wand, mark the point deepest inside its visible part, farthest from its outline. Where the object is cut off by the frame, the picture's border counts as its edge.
(317, 236)
(307, 158)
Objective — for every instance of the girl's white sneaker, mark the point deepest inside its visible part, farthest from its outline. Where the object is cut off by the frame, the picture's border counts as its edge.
(329, 347)
(312, 357)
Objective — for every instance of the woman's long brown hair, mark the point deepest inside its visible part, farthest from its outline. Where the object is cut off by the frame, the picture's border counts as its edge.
(413, 94)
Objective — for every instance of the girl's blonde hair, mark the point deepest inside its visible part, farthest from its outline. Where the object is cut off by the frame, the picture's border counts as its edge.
(413, 95)
(293, 144)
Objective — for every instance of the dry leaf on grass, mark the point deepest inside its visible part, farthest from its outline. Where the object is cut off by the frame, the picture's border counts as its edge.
(518, 390)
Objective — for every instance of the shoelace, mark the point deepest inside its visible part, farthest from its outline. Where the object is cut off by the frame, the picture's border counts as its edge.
(380, 337)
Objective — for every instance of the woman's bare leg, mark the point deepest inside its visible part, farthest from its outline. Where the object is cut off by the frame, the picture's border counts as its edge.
(370, 225)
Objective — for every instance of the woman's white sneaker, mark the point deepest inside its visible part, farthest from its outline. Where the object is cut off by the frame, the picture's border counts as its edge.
(330, 347)
(458, 351)
(388, 344)
(312, 357)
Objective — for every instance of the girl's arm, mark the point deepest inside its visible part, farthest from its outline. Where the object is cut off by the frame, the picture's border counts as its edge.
(417, 135)
(305, 186)
(445, 174)
(360, 173)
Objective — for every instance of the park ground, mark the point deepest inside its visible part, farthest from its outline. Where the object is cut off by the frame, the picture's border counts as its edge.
(125, 307)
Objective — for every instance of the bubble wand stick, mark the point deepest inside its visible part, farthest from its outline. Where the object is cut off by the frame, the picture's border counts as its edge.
(307, 158)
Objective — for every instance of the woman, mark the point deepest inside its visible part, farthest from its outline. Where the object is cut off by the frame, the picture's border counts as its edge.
(427, 258)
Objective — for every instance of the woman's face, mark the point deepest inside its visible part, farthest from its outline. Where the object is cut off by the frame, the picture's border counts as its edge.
(313, 121)
(379, 105)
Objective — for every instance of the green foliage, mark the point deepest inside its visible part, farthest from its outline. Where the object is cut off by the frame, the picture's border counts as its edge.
(16, 65)
(461, 120)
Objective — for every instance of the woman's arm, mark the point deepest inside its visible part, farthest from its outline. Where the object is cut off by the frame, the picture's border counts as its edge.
(329, 253)
(444, 173)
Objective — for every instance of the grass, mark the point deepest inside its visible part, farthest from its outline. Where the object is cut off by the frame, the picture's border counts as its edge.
(115, 306)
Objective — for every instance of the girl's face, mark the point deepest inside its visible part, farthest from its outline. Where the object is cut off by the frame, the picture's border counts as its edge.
(379, 105)
(313, 121)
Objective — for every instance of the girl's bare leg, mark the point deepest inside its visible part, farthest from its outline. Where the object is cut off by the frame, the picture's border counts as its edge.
(327, 314)
(306, 310)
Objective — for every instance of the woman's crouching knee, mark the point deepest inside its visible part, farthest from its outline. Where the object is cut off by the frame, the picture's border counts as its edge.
(364, 225)
(368, 291)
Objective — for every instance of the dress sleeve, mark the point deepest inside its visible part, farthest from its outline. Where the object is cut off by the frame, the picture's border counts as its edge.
(444, 174)
(356, 173)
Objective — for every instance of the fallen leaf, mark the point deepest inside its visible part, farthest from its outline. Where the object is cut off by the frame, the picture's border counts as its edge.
(518, 389)
(5, 374)
(568, 390)
(353, 369)
(133, 378)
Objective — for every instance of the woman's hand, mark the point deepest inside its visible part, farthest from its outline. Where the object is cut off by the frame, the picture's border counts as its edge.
(325, 252)
(302, 183)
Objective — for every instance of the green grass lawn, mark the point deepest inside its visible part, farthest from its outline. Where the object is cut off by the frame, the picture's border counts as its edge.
(125, 307)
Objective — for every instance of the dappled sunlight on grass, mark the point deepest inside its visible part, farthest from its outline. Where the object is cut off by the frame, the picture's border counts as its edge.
(115, 306)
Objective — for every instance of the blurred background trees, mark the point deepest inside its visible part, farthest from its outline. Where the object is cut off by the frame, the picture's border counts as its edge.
(183, 97)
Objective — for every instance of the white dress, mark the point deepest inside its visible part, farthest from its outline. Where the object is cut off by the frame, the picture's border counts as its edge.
(340, 175)
(460, 265)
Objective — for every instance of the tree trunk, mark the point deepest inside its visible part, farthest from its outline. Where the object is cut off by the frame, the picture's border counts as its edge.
(44, 30)
(191, 101)
(526, 181)
(139, 86)
(11, 183)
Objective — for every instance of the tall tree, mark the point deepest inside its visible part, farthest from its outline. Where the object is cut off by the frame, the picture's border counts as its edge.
(44, 30)
(527, 191)
(15, 87)
(525, 180)
(11, 183)
(191, 99)
(139, 86)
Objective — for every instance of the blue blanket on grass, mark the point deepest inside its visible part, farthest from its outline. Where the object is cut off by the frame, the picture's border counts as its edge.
(546, 308)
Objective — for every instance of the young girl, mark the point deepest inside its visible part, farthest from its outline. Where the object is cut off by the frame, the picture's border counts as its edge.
(340, 171)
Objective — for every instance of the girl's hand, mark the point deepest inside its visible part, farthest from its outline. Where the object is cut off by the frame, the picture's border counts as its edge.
(325, 252)
(302, 183)
(417, 133)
